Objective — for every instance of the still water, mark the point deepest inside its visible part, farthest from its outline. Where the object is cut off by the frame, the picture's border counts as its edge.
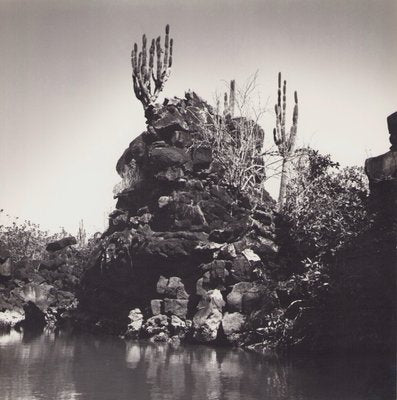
(86, 367)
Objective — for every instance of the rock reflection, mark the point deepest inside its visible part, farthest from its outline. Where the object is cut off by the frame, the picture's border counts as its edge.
(87, 367)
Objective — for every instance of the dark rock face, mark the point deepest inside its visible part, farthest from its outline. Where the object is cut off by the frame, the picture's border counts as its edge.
(392, 126)
(382, 175)
(61, 244)
(180, 238)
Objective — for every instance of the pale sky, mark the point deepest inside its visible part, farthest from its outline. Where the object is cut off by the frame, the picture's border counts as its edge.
(68, 111)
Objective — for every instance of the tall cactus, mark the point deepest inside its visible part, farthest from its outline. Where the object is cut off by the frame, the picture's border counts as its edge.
(229, 103)
(284, 140)
(143, 74)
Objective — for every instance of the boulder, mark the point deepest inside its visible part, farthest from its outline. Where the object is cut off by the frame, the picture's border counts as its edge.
(232, 232)
(208, 318)
(179, 327)
(250, 255)
(167, 120)
(246, 296)
(215, 275)
(165, 157)
(61, 244)
(233, 324)
(156, 306)
(172, 288)
(176, 307)
(241, 269)
(134, 327)
(202, 157)
(156, 324)
(228, 252)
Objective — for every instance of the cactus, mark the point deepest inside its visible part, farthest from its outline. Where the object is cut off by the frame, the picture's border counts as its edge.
(285, 141)
(149, 83)
(229, 102)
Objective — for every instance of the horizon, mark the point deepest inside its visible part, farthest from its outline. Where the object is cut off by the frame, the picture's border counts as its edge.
(68, 108)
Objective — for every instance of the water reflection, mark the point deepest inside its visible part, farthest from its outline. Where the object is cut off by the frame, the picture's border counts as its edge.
(85, 367)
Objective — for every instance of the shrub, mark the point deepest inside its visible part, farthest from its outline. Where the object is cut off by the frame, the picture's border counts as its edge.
(326, 205)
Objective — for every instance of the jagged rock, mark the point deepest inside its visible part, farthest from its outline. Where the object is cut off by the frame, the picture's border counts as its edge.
(200, 290)
(202, 157)
(179, 327)
(215, 274)
(232, 232)
(232, 324)
(246, 296)
(209, 316)
(176, 307)
(172, 287)
(267, 247)
(134, 327)
(156, 306)
(168, 120)
(61, 244)
(165, 157)
(242, 269)
(156, 324)
(228, 252)
(392, 126)
(250, 255)
(171, 174)
(264, 217)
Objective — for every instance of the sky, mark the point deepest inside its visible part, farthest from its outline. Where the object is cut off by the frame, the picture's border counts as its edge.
(68, 111)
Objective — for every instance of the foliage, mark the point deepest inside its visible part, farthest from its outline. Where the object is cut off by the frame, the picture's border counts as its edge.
(326, 205)
(26, 241)
(237, 142)
(341, 296)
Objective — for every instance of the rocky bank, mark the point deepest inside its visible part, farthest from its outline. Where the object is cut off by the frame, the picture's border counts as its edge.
(189, 257)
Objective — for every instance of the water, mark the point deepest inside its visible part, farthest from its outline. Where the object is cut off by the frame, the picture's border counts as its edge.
(86, 367)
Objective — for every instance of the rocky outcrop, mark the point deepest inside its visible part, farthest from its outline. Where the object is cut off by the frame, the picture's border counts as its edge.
(382, 175)
(38, 293)
(181, 238)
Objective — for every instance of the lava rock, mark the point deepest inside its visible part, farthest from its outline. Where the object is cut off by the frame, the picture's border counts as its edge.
(176, 307)
(61, 244)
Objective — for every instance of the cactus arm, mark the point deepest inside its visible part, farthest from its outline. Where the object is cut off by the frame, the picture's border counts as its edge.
(166, 46)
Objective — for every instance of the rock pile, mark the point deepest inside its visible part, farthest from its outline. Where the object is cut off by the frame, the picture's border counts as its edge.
(184, 249)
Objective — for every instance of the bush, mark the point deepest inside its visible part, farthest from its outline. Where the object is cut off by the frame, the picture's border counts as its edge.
(24, 239)
(326, 205)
